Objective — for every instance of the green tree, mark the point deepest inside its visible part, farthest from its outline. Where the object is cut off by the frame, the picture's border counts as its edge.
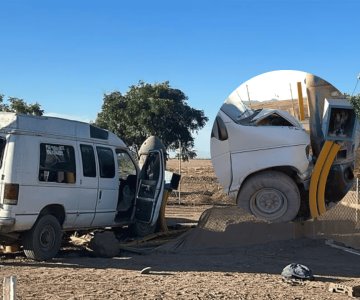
(151, 109)
(186, 152)
(20, 106)
(355, 101)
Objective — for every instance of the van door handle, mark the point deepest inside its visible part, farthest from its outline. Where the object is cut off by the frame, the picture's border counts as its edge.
(100, 194)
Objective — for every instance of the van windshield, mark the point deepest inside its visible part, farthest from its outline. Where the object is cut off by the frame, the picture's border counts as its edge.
(235, 108)
(2, 148)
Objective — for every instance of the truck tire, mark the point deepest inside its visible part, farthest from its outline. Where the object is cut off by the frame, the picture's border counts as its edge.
(270, 195)
(43, 241)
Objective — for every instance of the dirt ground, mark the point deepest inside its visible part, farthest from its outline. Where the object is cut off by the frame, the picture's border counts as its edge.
(251, 271)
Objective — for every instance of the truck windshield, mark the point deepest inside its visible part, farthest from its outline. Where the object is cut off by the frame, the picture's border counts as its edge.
(235, 108)
(2, 148)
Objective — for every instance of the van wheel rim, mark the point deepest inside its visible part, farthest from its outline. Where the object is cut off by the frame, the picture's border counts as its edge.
(268, 203)
(47, 237)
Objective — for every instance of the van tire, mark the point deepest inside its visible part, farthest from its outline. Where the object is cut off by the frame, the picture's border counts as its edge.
(43, 241)
(142, 229)
(270, 195)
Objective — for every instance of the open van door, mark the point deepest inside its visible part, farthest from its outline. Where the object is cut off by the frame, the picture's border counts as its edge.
(150, 189)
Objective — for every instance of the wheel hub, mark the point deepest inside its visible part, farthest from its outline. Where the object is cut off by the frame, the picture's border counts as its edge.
(47, 237)
(268, 203)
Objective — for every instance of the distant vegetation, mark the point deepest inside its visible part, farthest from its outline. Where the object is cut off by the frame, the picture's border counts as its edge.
(355, 101)
(144, 110)
(18, 105)
(152, 109)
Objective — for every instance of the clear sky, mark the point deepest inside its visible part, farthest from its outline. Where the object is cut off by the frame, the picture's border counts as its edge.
(67, 54)
(274, 85)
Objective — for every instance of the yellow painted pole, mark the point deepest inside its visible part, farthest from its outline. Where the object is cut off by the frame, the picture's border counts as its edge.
(315, 178)
(301, 102)
(162, 219)
(323, 177)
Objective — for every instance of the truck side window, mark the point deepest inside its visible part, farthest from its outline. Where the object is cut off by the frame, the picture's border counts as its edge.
(88, 160)
(106, 162)
(57, 163)
(126, 165)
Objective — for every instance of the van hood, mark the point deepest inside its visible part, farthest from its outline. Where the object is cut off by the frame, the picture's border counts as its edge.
(265, 115)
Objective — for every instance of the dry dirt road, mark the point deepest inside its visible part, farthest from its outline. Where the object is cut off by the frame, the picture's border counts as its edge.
(250, 272)
(247, 272)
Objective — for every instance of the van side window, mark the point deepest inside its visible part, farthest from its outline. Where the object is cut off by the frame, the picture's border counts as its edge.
(57, 163)
(2, 148)
(88, 160)
(126, 165)
(106, 162)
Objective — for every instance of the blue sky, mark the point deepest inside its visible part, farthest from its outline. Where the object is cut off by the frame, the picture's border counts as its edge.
(67, 54)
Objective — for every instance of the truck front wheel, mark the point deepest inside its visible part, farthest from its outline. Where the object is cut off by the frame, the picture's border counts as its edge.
(270, 195)
(43, 241)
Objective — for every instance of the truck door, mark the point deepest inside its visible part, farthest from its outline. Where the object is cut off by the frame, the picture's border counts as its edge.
(108, 187)
(89, 186)
(151, 188)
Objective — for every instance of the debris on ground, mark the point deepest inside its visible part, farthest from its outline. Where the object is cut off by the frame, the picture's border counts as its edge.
(104, 244)
(146, 270)
(350, 288)
(109, 244)
(297, 271)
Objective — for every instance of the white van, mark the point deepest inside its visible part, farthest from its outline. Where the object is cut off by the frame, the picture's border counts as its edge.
(61, 175)
(261, 158)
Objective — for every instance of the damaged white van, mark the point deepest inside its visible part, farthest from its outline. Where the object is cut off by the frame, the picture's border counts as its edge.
(265, 159)
(261, 158)
(61, 175)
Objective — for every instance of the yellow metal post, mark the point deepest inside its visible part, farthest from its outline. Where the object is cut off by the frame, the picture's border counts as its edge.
(315, 178)
(323, 177)
(162, 219)
(301, 102)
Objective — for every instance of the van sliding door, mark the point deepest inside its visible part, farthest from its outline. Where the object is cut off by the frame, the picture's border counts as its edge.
(89, 186)
(108, 187)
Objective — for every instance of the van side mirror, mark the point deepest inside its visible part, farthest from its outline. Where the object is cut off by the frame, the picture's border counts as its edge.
(172, 180)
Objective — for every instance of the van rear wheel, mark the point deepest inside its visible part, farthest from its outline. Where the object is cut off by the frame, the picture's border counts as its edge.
(43, 241)
(270, 195)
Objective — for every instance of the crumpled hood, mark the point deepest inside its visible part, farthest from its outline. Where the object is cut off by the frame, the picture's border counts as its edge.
(265, 113)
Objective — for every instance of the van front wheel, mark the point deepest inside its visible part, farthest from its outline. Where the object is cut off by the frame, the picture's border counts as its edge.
(43, 241)
(270, 195)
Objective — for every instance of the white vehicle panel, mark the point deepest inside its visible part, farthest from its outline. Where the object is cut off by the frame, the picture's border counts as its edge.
(108, 192)
(246, 163)
(251, 148)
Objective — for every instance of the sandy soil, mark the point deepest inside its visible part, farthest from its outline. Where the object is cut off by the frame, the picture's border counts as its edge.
(224, 272)
(246, 273)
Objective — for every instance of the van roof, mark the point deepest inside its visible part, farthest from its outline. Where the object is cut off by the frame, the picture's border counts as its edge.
(42, 125)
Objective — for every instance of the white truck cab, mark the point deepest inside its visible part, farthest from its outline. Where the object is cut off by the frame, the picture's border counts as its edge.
(60, 175)
(261, 158)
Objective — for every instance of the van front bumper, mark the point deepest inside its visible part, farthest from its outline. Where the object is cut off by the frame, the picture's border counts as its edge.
(6, 222)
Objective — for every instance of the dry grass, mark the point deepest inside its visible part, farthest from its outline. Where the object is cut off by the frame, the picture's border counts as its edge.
(291, 106)
(199, 185)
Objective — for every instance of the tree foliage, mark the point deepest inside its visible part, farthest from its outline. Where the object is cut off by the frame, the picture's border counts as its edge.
(355, 101)
(185, 152)
(151, 109)
(20, 106)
